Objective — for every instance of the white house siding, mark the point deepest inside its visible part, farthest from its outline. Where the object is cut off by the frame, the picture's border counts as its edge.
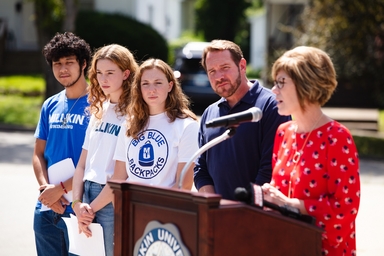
(163, 15)
(275, 9)
(20, 25)
(124, 7)
(258, 40)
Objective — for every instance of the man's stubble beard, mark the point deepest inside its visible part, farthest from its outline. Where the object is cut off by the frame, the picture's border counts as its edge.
(74, 82)
(232, 89)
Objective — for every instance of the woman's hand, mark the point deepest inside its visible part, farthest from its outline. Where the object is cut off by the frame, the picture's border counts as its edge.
(85, 216)
(84, 228)
(273, 195)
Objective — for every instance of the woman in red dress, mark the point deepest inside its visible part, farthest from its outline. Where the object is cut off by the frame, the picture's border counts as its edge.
(315, 162)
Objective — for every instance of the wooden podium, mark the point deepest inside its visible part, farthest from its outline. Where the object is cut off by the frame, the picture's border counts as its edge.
(207, 224)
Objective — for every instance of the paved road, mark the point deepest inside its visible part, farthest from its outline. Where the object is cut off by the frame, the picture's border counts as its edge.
(18, 191)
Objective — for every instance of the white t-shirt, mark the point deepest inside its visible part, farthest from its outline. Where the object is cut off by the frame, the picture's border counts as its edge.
(152, 158)
(100, 141)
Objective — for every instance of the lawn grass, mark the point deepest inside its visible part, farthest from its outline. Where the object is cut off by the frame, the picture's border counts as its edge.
(19, 110)
(381, 120)
(22, 95)
(20, 99)
(30, 85)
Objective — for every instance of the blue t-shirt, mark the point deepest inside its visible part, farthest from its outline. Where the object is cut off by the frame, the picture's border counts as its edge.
(62, 140)
(62, 124)
(246, 156)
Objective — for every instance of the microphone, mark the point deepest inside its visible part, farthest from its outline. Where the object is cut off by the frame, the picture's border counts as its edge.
(253, 195)
(253, 114)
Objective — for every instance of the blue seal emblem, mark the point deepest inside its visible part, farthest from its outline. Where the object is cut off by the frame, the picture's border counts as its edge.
(148, 154)
(160, 240)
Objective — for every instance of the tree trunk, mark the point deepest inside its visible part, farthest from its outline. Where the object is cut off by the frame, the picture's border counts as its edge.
(47, 26)
(52, 86)
(70, 15)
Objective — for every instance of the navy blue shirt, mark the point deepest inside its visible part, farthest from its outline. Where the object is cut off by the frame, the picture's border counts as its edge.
(246, 156)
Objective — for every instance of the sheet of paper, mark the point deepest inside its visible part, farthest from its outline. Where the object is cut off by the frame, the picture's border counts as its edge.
(59, 172)
(80, 244)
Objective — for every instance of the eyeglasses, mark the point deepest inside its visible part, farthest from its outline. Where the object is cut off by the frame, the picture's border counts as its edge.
(279, 84)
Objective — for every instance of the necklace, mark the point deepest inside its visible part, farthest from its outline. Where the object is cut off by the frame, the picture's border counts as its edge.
(298, 154)
(65, 119)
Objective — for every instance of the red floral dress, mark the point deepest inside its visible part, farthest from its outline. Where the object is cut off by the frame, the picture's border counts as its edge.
(325, 177)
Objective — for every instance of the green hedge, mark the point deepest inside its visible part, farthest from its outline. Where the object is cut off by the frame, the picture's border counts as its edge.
(371, 147)
(19, 110)
(100, 29)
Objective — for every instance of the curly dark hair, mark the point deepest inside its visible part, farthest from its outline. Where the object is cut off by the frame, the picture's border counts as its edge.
(67, 44)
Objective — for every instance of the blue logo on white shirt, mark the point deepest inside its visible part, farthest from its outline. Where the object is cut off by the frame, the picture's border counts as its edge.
(148, 154)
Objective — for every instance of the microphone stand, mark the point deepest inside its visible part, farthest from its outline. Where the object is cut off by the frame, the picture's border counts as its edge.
(227, 134)
(291, 212)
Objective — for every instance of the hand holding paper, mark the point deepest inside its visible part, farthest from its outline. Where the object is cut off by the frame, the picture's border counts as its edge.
(51, 195)
(80, 244)
(57, 173)
(85, 216)
(84, 228)
(57, 207)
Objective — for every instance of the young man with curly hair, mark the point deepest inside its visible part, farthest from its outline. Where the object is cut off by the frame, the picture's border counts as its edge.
(60, 135)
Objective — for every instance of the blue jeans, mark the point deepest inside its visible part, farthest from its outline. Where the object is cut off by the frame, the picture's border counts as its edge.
(51, 236)
(105, 216)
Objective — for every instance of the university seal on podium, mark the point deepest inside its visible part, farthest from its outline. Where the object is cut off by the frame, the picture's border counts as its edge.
(160, 240)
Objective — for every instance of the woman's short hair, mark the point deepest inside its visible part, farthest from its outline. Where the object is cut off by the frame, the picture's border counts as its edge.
(312, 72)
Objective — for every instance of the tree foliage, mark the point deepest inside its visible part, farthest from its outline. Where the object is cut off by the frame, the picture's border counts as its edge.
(221, 19)
(50, 17)
(141, 39)
(352, 32)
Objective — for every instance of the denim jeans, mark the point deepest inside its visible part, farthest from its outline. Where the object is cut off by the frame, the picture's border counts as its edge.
(105, 216)
(51, 237)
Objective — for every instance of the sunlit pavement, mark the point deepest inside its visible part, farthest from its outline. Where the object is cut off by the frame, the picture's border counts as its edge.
(19, 191)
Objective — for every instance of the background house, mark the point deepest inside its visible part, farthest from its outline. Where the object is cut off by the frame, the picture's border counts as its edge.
(169, 17)
(270, 29)
(17, 26)
(18, 36)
